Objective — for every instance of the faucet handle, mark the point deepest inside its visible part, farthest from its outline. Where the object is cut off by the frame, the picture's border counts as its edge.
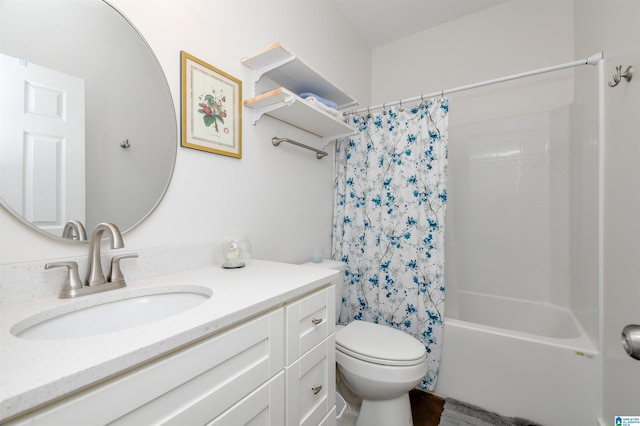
(115, 274)
(72, 282)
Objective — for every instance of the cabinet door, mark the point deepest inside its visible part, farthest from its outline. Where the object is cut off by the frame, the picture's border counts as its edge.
(309, 321)
(330, 419)
(263, 407)
(311, 385)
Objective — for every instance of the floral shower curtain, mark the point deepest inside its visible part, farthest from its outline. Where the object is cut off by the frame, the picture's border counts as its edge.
(390, 200)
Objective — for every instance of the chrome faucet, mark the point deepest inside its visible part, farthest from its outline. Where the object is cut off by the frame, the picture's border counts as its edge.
(95, 275)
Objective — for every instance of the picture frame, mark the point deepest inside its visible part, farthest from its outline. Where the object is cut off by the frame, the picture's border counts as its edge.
(211, 108)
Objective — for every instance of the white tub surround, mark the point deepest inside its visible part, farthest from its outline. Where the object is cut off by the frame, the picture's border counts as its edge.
(520, 358)
(35, 372)
(523, 318)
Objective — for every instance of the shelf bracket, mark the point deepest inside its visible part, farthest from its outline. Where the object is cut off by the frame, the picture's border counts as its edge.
(259, 112)
(258, 73)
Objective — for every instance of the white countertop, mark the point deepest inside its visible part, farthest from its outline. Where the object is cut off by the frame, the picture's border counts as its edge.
(33, 372)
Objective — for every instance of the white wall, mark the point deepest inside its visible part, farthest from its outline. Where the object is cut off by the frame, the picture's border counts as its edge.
(280, 197)
(509, 38)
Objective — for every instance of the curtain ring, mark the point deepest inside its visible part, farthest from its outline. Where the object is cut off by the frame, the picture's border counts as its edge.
(401, 108)
(442, 95)
(368, 113)
(384, 108)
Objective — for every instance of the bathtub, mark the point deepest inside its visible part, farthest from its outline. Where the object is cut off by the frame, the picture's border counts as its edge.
(520, 359)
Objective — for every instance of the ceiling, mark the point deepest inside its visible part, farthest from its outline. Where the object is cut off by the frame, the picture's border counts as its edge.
(383, 21)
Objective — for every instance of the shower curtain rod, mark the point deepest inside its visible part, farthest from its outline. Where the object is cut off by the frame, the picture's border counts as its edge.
(591, 60)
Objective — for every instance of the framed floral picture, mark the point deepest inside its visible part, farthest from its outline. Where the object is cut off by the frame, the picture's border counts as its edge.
(211, 108)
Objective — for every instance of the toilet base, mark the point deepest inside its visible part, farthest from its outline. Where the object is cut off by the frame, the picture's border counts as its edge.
(387, 412)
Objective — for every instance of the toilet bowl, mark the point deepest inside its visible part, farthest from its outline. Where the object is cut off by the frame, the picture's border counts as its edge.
(379, 364)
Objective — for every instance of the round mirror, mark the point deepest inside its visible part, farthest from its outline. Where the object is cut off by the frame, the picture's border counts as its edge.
(88, 132)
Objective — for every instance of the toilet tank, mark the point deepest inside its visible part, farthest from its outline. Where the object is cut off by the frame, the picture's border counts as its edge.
(339, 282)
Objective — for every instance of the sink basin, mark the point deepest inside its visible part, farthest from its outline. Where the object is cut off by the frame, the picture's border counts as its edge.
(110, 311)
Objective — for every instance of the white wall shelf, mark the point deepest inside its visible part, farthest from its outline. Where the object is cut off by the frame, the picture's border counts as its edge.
(278, 77)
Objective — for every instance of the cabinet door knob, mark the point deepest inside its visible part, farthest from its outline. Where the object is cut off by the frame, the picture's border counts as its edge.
(316, 321)
(316, 389)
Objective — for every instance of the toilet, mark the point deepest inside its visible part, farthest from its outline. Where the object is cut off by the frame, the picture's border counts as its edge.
(379, 364)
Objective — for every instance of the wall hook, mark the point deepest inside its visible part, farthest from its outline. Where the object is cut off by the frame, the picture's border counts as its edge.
(619, 75)
(125, 143)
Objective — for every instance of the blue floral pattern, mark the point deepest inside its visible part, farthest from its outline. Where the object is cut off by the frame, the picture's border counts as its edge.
(390, 200)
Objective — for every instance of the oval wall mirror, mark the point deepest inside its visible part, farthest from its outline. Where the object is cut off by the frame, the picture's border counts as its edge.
(88, 131)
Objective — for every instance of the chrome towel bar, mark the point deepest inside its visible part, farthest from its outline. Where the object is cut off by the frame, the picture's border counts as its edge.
(319, 154)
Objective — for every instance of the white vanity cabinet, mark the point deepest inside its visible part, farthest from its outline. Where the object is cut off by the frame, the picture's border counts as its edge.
(235, 374)
(310, 360)
(274, 369)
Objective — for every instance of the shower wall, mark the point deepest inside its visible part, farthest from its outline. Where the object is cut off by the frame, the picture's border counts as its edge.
(585, 176)
(529, 183)
(523, 210)
(509, 204)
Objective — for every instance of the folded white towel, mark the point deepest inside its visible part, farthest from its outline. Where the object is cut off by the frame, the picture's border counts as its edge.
(315, 102)
(320, 99)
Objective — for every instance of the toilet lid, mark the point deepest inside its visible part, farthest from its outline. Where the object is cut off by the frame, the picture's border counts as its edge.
(379, 344)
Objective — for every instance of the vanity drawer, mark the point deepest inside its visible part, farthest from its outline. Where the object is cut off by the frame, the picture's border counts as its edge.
(310, 387)
(309, 321)
(192, 386)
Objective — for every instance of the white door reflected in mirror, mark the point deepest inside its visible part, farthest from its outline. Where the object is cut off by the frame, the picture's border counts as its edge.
(42, 154)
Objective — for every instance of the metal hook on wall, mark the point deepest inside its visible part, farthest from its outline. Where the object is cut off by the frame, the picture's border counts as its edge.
(125, 143)
(619, 75)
